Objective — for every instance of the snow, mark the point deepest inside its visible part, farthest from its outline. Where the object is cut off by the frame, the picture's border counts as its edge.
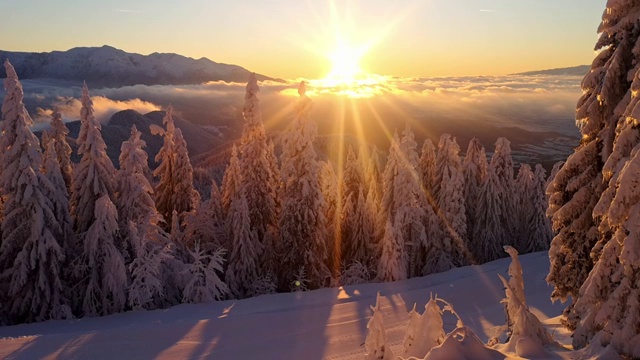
(325, 323)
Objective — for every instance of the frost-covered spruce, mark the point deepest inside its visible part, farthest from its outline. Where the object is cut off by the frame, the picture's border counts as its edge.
(31, 258)
(245, 249)
(502, 165)
(134, 201)
(538, 225)
(425, 331)
(474, 170)
(208, 223)
(329, 188)
(375, 344)
(93, 176)
(203, 282)
(609, 305)
(488, 234)
(352, 184)
(427, 167)
(581, 181)
(302, 221)
(393, 262)
(165, 186)
(58, 134)
(147, 280)
(258, 173)
(451, 201)
(364, 230)
(101, 270)
(524, 207)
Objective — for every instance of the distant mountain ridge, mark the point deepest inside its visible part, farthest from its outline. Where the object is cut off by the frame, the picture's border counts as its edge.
(107, 66)
(579, 70)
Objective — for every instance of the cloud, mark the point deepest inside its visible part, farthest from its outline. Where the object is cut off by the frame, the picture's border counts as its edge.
(103, 107)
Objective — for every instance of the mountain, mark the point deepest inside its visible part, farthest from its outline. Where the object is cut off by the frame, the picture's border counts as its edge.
(118, 129)
(580, 70)
(107, 66)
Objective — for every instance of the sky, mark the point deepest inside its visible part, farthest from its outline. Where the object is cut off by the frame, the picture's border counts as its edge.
(294, 39)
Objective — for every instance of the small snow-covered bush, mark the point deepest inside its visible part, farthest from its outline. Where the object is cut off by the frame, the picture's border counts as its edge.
(355, 273)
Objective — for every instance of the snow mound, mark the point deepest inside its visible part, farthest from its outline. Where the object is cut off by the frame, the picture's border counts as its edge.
(463, 344)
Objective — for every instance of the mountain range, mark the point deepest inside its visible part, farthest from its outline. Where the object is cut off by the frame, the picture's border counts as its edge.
(107, 66)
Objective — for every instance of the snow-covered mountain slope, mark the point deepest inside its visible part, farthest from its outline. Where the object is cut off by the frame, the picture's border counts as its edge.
(579, 70)
(110, 67)
(321, 324)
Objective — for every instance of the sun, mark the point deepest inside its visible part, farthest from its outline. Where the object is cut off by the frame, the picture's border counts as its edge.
(345, 64)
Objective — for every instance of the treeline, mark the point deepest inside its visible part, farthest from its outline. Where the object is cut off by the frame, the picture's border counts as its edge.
(87, 239)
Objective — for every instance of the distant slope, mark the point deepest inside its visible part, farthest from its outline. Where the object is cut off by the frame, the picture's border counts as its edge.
(110, 67)
(580, 70)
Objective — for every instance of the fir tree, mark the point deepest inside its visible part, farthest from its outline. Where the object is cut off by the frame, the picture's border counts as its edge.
(524, 207)
(245, 249)
(31, 258)
(165, 172)
(94, 174)
(101, 267)
(538, 224)
(474, 170)
(488, 234)
(257, 167)
(203, 283)
(502, 165)
(427, 167)
(58, 134)
(302, 222)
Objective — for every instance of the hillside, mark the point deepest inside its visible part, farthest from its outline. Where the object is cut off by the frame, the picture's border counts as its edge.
(580, 70)
(326, 323)
(107, 66)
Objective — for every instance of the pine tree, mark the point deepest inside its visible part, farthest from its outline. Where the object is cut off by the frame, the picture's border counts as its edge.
(364, 230)
(147, 280)
(165, 172)
(257, 170)
(451, 201)
(232, 180)
(375, 345)
(101, 268)
(135, 202)
(538, 224)
(57, 194)
(94, 174)
(329, 188)
(393, 259)
(245, 249)
(488, 234)
(302, 222)
(524, 207)
(502, 164)
(208, 223)
(203, 283)
(409, 214)
(474, 170)
(31, 258)
(427, 167)
(186, 197)
(58, 134)
(580, 183)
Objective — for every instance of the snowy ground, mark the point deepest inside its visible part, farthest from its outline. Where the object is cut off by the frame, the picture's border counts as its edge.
(327, 323)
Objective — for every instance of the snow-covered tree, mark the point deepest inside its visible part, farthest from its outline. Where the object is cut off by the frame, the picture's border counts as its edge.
(58, 134)
(257, 168)
(302, 221)
(502, 165)
(31, 258)
(185, 197)
(100, 270)
(245, 249)
(524, 207)
(208, 223)
(203, 283)
(93, 176)
(232, 180)
(451, 201)
(427, 167)
(425, 331)
(147, 280)
(375, 345)
(363, 226)
(134, 199)
(474, 170)
(165, 186)
(579, 184)
(393, 255)
(488, 234)
(538, 228)
(329, 187)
